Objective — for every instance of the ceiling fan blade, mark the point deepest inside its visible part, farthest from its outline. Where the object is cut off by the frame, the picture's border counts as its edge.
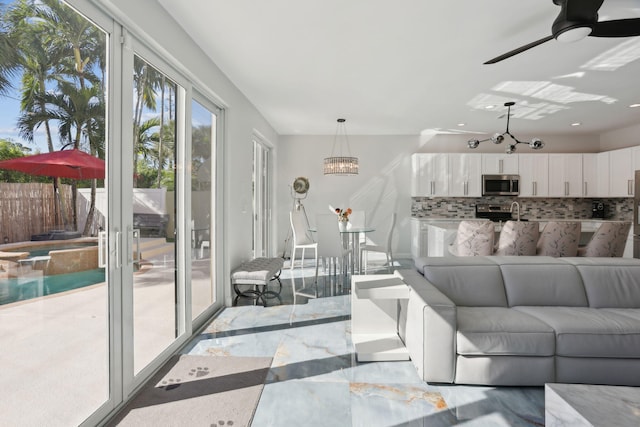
(581, 10)
(617, 28)
(519, 50)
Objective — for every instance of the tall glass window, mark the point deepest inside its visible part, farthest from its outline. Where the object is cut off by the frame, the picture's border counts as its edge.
(154, 212)
(54, 297)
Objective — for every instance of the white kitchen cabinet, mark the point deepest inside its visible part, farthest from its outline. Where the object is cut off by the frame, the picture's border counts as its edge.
(534, 175)
(497, 163)
(621, 170)
(565, 175)
(595, 174)
(465, 175)
(430, 174)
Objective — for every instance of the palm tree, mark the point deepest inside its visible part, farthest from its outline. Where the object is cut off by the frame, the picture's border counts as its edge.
(146, 80)
(8, 61)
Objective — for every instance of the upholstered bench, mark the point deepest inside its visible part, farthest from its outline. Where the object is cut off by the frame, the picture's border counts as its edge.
(257, 273)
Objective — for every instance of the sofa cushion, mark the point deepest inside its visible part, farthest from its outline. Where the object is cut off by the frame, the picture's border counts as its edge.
(502, 331)
(541, 281)
(589, 332)
(467, 281)
(610, 282)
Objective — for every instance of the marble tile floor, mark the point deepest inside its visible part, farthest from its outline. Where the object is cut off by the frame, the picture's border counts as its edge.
(315, 379)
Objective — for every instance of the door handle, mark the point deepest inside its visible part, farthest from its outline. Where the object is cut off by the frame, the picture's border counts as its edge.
(585, 189)
(630, 187)
(500, 166)
(566, 188)
(102, 249)
(117, 249)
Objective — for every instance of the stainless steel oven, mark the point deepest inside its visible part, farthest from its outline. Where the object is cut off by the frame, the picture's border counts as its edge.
(500, 185)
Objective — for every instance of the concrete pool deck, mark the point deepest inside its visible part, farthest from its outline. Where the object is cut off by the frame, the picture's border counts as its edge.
(54, 354)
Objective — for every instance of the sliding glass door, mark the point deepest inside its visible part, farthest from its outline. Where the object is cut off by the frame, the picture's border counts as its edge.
(204, 129)
(55, 273)
(103, 274)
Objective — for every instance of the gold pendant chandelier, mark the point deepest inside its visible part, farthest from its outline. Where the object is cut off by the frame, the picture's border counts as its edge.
(341, 164)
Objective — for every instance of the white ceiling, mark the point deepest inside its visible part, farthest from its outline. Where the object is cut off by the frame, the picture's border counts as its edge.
(403, 67)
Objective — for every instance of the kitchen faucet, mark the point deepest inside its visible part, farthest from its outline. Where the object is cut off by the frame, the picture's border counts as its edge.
(517, 210)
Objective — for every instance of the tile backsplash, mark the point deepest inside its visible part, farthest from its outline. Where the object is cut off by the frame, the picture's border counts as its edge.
(620, 209)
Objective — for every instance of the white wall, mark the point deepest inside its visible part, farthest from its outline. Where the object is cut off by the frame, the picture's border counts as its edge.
(147, 20)
(382, 186)
(620, 138)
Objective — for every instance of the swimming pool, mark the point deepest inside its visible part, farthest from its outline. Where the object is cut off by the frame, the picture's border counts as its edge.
(20, 289)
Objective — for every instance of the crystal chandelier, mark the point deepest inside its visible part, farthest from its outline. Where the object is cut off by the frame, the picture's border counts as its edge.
(535, 143)
(340, 164)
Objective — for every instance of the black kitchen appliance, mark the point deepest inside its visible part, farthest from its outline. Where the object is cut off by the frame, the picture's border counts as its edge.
(494, 212)
(598, 209)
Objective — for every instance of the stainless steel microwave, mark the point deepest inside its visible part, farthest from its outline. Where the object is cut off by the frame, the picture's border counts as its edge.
(500, 185)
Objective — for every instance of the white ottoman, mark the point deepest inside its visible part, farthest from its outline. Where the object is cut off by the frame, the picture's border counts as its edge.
(257, 273)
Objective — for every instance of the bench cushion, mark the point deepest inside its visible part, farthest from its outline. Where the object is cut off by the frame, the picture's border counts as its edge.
(258, 271)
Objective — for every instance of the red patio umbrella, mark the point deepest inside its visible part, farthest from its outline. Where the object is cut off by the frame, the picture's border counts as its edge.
(73, 163)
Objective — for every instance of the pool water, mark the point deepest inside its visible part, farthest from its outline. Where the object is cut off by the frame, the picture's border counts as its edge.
(20, 289)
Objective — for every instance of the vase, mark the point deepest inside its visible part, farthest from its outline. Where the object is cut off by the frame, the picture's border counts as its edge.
(342, 225)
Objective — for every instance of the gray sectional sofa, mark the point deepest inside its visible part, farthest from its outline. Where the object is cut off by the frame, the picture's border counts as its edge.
(523, 320)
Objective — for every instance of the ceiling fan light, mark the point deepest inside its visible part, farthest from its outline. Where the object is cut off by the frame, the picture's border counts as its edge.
(497, 138)
(536, 144)
(574, 34)
(473, 143)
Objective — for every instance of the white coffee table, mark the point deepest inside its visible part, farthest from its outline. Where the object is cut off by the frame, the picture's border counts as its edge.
(591, 405)
(374, 317)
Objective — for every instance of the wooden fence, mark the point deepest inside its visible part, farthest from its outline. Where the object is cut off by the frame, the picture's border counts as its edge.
(28, 209)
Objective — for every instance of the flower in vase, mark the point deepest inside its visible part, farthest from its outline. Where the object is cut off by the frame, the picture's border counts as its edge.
(343, 214)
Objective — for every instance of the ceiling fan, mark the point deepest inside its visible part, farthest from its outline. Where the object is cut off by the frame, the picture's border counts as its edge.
(577, 20)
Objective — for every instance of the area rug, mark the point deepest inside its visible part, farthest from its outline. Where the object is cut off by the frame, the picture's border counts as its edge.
(199, 391)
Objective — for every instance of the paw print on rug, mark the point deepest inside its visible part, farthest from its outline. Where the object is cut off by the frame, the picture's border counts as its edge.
(199, 372)
(170, 384)
(222, 423)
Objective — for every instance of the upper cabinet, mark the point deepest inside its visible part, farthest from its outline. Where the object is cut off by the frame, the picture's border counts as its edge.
(465, 171)
(499, 163)
(565, 175)
(595, 174)
(606, 174)
(622, 164)
(534, 175)
(430, 174)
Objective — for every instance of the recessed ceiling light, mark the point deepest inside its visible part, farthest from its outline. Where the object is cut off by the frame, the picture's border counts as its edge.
(489, 107)
(461, 124)
(634, 105)
(576, 124)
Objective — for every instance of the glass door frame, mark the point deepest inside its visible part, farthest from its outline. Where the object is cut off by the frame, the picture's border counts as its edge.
(217, 219)
(133, 47)
(262, 196)
(121, 47)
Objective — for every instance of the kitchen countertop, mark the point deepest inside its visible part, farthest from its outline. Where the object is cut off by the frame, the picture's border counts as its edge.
(588, 225)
